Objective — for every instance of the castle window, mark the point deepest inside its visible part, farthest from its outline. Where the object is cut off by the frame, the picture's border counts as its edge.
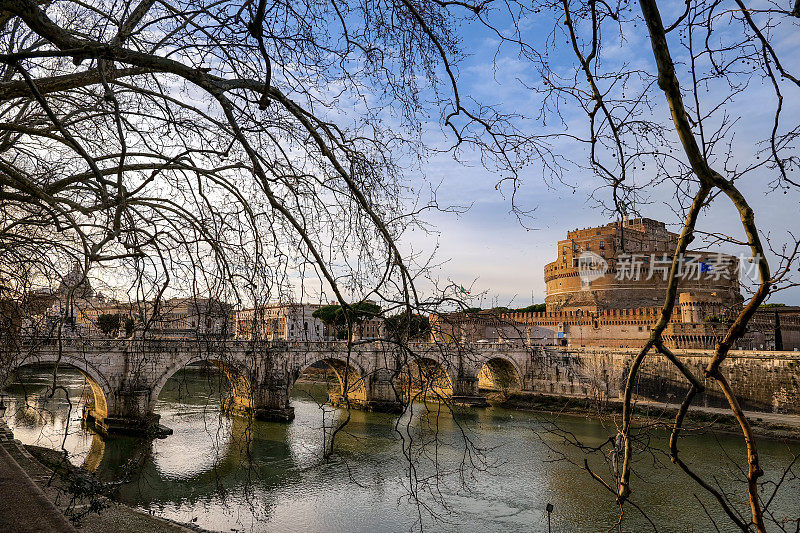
(602, 245)
(602, 253)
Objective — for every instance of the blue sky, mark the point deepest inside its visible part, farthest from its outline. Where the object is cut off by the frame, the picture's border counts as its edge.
(490, 250)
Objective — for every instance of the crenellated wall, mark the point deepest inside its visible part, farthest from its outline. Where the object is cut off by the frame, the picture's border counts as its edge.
(624, 283)
(618, 328)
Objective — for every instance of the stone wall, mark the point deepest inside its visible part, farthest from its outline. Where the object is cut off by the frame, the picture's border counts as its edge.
(764, 381)
(611, 328)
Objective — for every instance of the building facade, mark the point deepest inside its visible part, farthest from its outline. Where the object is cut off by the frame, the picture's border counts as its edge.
(281, 321)
(606, 289)
(170, 318)
(633, 258)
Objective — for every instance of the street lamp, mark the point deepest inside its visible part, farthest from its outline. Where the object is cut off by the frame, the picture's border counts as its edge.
(549, 509)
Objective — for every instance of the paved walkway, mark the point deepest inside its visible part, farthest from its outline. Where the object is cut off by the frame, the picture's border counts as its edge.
(28, 503)
(24, 508)
(753, 416)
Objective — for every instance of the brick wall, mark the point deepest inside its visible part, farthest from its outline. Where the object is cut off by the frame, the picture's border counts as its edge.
(644, 237)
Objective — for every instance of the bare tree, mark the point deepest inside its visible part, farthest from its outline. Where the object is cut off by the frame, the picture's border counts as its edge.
(229, 149)
(669, 127)
(203, 146)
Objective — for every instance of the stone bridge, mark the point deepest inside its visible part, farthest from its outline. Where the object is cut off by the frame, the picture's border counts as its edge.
(126, 376)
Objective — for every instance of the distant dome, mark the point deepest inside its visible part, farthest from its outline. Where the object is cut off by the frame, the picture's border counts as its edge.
(76, 279)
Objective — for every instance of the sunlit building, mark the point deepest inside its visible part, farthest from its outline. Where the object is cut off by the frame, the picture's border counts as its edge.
(607, 287)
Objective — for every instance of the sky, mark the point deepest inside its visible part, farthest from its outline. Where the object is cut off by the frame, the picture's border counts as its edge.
(487, 250)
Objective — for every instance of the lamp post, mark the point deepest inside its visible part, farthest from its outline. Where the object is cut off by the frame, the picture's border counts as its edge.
(549, 509)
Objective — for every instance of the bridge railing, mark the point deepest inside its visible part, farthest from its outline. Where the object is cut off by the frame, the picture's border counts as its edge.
(97, 344)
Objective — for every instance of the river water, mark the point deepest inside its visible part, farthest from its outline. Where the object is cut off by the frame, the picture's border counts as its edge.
(227, 474)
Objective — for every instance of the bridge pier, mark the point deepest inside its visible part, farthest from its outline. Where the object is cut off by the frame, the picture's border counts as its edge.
(112, 425)
(377, 396)
(465, 390)
(127, 412)
(381, 394)
(270, 399)
(271, 406)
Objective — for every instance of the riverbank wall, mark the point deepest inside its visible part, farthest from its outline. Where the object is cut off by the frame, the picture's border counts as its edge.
(764, 381)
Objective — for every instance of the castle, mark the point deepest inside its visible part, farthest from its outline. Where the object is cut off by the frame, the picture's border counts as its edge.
(637, 253)
(606, 289)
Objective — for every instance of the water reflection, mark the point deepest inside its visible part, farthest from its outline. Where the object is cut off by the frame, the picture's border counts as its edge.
(94, 457)
(48, 413)
(232, 474)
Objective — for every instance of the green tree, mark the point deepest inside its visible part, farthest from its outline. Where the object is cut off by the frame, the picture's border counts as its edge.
(364, 310)
(401, 326)
(128, 326)
(334, 315)
(535, 308)
(328, 314)
(109, 323)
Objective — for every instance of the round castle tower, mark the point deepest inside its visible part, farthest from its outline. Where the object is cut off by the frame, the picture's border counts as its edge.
(638, 253)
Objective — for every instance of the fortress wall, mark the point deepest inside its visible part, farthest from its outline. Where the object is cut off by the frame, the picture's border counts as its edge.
(764, 381)
(643, 237)
(612, 328)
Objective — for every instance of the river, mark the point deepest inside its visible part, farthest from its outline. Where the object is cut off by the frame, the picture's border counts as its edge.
(227, 474)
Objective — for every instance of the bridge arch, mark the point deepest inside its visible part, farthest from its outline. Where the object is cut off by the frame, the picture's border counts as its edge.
(101, 388)
(351, 376)
(425, 378)
(237, 377)
(500, 373)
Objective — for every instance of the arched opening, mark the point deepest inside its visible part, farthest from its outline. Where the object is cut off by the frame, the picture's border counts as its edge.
(204, 382)
(195, 400)
(499, 375)
(424, 379)
(49, 412)
(343, 383)
(37, 377)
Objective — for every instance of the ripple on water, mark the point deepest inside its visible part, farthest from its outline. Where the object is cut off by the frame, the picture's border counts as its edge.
(231, 474)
